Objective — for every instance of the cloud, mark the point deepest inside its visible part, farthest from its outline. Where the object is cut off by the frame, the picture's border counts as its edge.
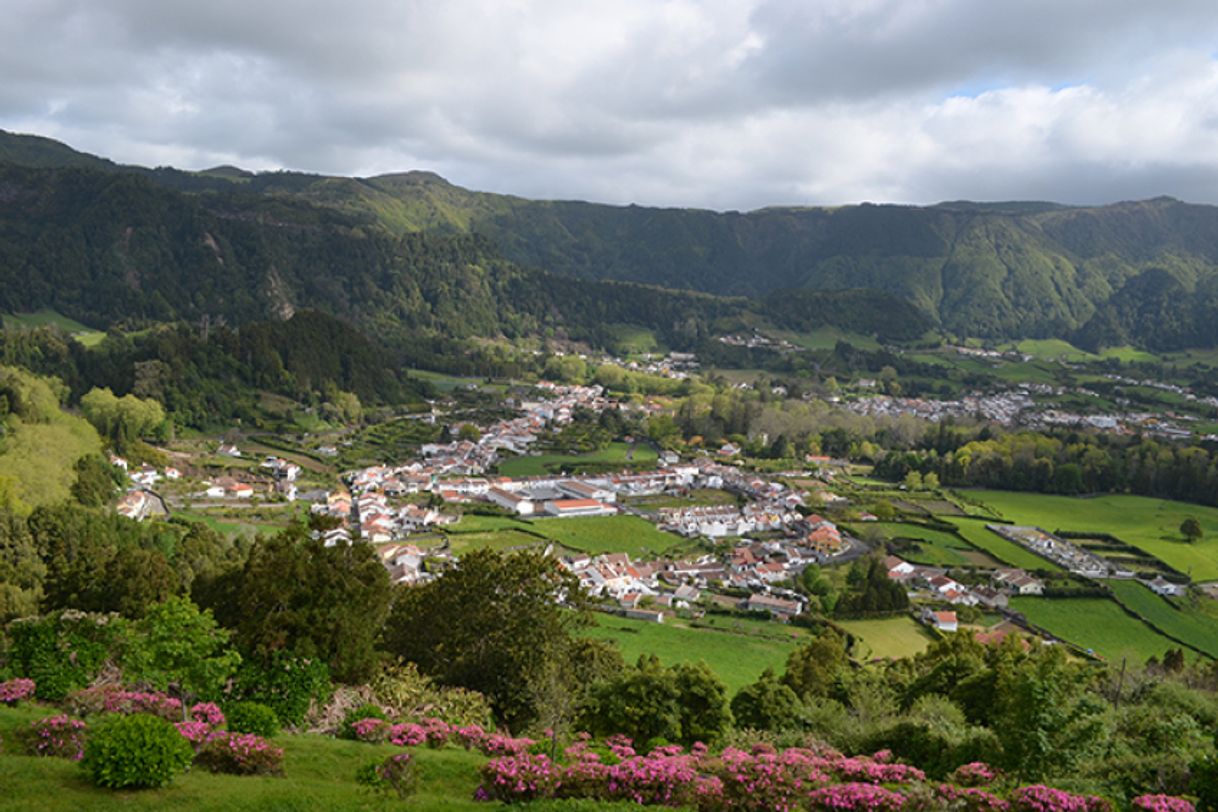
(724, 104)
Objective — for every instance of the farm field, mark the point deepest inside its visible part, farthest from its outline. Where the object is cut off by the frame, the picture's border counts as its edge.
(1008, 552)
(888, 637)
(936, 548)
(478, 523)
(1150, 524)
(737, 659)
(615, 454)
(502, 540)
(606, 534)
(41, 318)
(698, 497)
(1098, 624)
(1197, 630)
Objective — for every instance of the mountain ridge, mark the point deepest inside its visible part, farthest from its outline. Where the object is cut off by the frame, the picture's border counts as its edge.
(1003, 269)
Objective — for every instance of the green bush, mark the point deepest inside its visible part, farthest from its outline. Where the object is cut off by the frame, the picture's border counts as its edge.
(64, 651)
(286, 684)
(135, 751)
(366, 711)
(252, 717)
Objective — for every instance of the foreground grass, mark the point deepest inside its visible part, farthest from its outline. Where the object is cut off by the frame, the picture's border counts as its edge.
(1152, 525)
(738, 659)
(1098, 624)
(319, 774)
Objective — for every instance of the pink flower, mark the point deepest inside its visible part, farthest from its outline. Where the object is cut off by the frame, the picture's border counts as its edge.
(208, 712)
(16, 690)
(1162, 803)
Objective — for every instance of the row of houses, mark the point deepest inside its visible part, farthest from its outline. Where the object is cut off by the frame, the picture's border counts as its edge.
(933, 583)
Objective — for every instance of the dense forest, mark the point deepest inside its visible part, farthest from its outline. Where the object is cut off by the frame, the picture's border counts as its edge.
(104, 242)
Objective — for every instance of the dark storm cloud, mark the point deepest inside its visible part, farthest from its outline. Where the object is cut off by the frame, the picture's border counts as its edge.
(720, 104)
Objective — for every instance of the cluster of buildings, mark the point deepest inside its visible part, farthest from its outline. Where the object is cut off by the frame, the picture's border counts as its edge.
(933, 584)
(1061, 552)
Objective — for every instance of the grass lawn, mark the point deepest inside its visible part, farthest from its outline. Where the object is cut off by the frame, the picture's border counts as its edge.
(888, 637)
(1053, 349)
(477, 523)
(1008, 552)
(614, 454)
(1149, 524)
(607, 534)
(936, 548)
(502, 540)
(1197, 630)
(826, 338)
(698, 497)
(738, 659)
(41, 318)
(1098, 624)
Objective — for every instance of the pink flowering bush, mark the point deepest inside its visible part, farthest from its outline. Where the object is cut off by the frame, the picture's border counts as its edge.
(621, 746)
(240, 754)
(407, 734)
(971, 799)
(975, 774)
(396, 775)
(16, 690)
(207, 712)
(513, 779)
(470, 737)
(1039, 798)
(436, 732)
(58, 736)
(195, 732)
(90, 701)
(665, 780)
(855, 796)
(498, 744)
(371, 730)
(1162, 803)
(864, 769)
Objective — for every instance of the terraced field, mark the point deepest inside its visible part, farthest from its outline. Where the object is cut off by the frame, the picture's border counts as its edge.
(1098, 624)
(1195, 629)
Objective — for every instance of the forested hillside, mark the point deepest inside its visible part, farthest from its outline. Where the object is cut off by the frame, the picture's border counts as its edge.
(412, 252)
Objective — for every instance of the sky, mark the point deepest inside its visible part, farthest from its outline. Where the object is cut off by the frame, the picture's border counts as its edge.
(726, 105)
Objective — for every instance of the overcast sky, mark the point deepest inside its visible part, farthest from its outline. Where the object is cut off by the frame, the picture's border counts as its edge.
(728, 105)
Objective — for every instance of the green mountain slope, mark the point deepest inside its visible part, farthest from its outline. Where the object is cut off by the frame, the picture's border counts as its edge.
(1002, 270)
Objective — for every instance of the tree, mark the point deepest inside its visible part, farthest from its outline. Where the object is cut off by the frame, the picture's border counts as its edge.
(813, 669)
(685, 703)
(1190, 528)
(913, 481)
(767, 704)
(178, 646)
(492, 624)
(121, 420)
(96, 481)
(21, 568)
(299, 596)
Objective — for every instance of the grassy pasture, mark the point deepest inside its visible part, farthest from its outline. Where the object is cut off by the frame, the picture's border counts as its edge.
(1195, 629)
(738, 659)
(607, 534)
(937, 548)
(1098, 624)
(614, 454)
(1149, 524)
(888, 637)
(1007, 552)
(42, 318)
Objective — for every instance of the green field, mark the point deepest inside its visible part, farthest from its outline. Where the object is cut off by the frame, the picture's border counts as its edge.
(738, 659)
(502, 540)
(42, 318)
(612, 455)
(1053, 349)
(888, 637)
(1150, 524)
(478, 523)
(1098, 624)
(936, 548)
(1008, 552)
(826, 338)
(607, 534)
(1196, 630)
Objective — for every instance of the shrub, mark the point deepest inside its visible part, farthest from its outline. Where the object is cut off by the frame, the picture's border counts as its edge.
(100, 699)
(286, 684)
(1161, 803)
(1039, 798)
(252, 717)
(195, 732)
(855, 796)
(241, 754)
(365, 711)
(63, 651)
(15, 690)
(207, 712)
(135, 751)
(60, 736)
(396, 775)
(974, 774)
